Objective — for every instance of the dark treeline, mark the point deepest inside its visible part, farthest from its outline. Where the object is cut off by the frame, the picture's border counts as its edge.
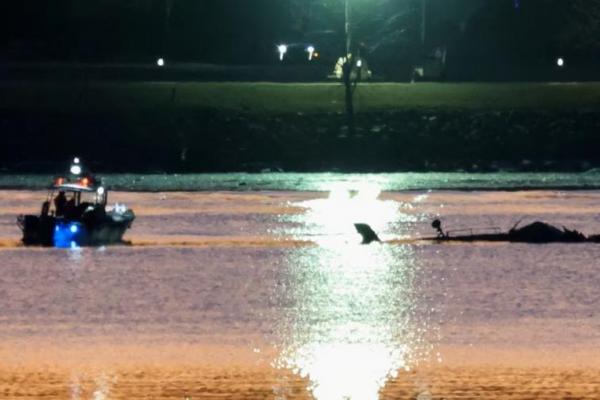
(479, 35)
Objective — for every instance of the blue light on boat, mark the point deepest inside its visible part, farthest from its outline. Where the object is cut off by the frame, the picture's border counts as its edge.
(68, 235)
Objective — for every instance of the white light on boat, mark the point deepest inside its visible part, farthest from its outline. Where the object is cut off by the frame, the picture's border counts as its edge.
(120, 208)
(76, 169)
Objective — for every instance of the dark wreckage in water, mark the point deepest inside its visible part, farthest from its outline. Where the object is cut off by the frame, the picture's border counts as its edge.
(536, 232)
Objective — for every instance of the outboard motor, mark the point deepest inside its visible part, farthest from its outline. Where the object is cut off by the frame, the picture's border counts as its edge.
(437, 225)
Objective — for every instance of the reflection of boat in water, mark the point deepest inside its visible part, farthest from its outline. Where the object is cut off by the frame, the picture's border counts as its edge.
(75, 214)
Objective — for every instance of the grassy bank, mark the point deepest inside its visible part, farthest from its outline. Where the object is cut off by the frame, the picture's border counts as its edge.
(202, 127)
(293, 98)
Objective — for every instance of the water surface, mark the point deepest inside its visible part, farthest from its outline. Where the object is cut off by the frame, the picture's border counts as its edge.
(268, 294)
(324, 181)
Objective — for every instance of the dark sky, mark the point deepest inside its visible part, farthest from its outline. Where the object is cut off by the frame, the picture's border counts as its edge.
(230, 31)
(113, 30)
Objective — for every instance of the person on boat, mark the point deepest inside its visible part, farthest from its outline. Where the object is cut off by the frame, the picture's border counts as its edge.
(70, 208)
(60, 201)
(45, 208)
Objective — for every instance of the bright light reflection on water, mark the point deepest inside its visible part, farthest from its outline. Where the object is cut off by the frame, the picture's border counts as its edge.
(352, 321)
(334, 216)
(99, 385)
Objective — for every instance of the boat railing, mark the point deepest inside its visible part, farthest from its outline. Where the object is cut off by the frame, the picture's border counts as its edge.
(474, 231)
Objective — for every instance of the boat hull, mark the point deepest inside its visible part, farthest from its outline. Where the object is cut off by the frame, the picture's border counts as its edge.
(62, 233)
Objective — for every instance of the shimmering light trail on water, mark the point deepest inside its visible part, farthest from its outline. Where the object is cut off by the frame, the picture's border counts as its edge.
(354, 323)
(333, 216)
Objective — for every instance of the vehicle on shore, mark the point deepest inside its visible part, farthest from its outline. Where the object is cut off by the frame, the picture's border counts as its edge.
(75, 214)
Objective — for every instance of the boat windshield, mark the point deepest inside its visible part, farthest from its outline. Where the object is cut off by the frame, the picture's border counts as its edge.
(61, 201)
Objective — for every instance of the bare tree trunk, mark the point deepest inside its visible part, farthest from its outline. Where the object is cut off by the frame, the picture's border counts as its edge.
(347, 69)
(349, 93)
(168, 9)
(423, 22)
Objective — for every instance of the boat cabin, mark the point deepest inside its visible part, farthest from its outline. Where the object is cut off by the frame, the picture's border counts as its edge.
(71, 198)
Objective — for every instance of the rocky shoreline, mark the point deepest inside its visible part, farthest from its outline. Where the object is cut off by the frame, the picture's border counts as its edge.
(222, 141)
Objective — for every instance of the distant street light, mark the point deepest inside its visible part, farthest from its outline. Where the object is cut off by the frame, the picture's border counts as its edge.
(282, 49)
(160, 62)
(311, 52)
(560, 62)
(347, 66)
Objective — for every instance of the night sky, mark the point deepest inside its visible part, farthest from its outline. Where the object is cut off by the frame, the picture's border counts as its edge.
(479, 35)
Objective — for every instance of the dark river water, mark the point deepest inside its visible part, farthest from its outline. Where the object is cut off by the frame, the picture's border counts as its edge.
(262, 290)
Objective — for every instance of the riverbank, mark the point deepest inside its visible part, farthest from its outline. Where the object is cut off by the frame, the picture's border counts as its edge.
(322, 182)
(211, 140)
(223, 127)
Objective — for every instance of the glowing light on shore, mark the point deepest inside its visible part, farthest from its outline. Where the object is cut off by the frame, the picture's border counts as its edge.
(282, 49)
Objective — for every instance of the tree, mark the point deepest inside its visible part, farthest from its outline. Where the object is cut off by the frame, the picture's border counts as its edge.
(581, 30)
(392, 38)
(369, 28)
(535, 32)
